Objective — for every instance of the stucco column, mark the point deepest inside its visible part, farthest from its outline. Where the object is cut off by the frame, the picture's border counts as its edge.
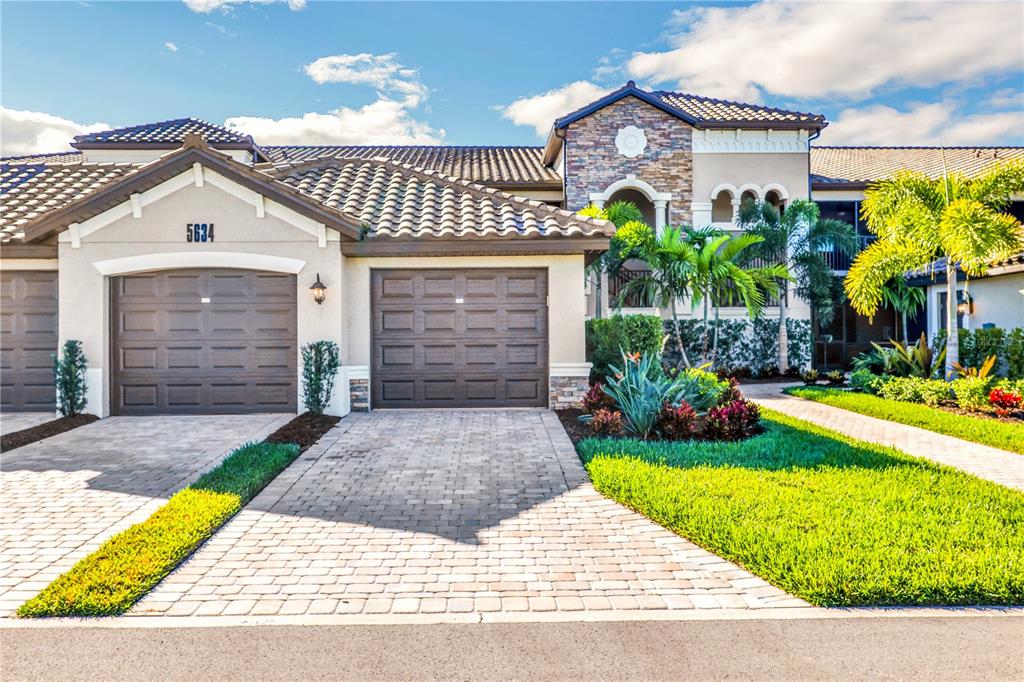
(597, 202)
(735, 210)
(660, 215)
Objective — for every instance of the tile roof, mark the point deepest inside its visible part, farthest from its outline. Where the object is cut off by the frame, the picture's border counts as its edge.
(399, 200)
(52, 157)
(503, 166)
(722, 111)
(860, 165)
(27, 191)
(170, 133)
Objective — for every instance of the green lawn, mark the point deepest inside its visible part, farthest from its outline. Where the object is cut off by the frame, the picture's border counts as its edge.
(998, 434)
(832, 520)
(129, 564)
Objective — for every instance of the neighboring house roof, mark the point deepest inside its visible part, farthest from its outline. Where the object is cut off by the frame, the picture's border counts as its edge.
(53, 157)
(399, 200)
(935, 272)
(28, 191)
(169, 134)
(856, 167)
(503, 166)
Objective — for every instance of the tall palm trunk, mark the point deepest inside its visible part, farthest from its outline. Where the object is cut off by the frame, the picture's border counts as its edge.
(714, 347)
(704, 348)
(783, 332)
(952, 333)
(679, 335)
(906, 335)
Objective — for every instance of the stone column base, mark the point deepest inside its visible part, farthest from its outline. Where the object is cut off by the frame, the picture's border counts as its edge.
(359, 392)
(567, 392)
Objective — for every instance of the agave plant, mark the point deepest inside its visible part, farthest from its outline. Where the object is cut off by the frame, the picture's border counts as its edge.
(640, 389)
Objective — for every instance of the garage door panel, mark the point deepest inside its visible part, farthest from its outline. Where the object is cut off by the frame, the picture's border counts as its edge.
(236, 352)
(28, 339)
(459, 338)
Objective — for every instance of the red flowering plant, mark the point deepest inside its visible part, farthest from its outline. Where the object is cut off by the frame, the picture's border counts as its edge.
(676, 422)
(596, 399)
(605, 422)
(732, 421)
(1005, 401)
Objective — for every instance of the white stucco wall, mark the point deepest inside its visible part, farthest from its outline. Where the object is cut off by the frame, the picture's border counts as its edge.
(997, 300)
(156, 241)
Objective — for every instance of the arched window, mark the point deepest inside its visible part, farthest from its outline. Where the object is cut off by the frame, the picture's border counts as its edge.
(645, 205)
(721, 207)
(776, 199)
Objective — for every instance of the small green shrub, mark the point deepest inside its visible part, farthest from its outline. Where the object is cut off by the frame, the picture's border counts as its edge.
(1012, 385)
(836, 378)
(699, 388)
(607, 338)
(972, 393)
(866, 381)
(915, 390)
(1015, 353)
(810, 376)
(319, 367)
(69, 378)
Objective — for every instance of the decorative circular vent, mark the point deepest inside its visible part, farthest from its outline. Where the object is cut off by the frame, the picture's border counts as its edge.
(631, 141)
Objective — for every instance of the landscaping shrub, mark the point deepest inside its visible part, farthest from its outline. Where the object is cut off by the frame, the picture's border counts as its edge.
(745, 347)
(836, 378)
(832, 520)
(1015, 354)
(975, 345)
(639, 389)
(809, 376)
(699, 388)
(129, 564)
(596, 399)
(319, 367)
(677, 422)
(733, 421)
(866, 381)
(999, 434)
(1004, 402)
(915, 390)
(606, 422)
(608, 338)
(69, 377)
(972, 393)
(1012, 385)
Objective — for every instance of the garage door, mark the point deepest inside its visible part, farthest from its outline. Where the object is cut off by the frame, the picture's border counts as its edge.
(459, 338)
(28, 338)
(203, 342)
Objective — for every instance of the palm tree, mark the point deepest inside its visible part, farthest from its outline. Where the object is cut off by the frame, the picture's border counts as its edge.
(904, 299)
(611, 261)
(919, 220)
(673, 263)
(798, 237)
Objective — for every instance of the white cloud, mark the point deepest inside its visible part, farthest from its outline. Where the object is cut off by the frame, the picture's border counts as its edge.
(923, 124)
(223, 30)
(380, 71)
(1007, 98)
(540, 111)
(847, 49)
(381, 122)
(171, 46)
(33, 132)
(207, 6)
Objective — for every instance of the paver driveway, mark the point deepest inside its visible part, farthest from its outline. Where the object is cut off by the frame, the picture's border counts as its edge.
(63, 496)
(446, 511)
(16, 421)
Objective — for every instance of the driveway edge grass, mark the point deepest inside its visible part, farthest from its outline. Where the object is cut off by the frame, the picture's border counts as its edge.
(830, 519)
(993, 433)
(128, 565)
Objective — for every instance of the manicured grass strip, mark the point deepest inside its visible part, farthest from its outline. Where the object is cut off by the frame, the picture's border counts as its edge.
(830, 519)
(998, 434)
(111, 579)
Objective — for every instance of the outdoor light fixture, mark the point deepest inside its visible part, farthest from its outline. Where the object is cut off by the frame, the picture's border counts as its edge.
(965, 307)
(319, 290)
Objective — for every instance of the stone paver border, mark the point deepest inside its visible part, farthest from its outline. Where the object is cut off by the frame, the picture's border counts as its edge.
(998, 466)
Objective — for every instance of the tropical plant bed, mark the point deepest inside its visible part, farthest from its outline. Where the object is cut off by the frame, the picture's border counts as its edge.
(578, 430)
(128, 565)
(832, 520)
(1006, 433)
(17, 439)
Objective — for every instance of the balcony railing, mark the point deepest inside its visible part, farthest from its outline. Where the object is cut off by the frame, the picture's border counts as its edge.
(618, 282)
(839, 261)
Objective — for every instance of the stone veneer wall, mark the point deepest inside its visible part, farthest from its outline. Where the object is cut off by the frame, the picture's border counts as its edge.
(359, 393)
(567, 392)
(593, 162)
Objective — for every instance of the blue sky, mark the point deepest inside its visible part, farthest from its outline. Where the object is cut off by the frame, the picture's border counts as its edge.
(497, 73)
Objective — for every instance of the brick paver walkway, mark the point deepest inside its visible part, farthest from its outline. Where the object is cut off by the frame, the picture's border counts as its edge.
(446, 512)
(1000, 466)
(60, 498)
(17, 421)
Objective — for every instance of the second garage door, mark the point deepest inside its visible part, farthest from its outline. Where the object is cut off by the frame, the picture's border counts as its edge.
(203, 342)
(459, 338)
(28, 340)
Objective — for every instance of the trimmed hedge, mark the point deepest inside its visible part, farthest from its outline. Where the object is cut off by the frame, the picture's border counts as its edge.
(125, 567)
(832, 520)
(743, 343)
(608, 337)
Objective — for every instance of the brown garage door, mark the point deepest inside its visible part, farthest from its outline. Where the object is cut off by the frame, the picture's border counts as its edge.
(28, 338)
(203, 342)
(459, 338)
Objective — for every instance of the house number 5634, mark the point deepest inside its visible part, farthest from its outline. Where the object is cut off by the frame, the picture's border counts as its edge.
(199, 232)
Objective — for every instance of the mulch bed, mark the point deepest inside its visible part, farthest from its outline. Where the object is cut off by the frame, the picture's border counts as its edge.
(17, 439)
(306, 429)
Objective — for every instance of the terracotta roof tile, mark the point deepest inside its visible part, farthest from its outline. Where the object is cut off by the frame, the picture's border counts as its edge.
(399, 200)
(722, 111)
(859, 165)
(487, 165)
(52, 157)
(27, 191)
(170, 132)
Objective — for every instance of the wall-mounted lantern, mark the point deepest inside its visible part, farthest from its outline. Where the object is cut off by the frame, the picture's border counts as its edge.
(319, 290)
(966, 306)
